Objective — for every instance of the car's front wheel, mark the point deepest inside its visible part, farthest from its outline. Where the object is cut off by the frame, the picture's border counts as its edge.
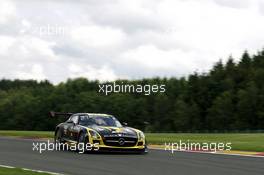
(82, 142)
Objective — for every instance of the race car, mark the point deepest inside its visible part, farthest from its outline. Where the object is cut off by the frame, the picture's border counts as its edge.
(102, 130)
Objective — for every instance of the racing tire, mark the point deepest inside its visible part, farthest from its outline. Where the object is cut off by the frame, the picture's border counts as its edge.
(83, 139)
(58, 141)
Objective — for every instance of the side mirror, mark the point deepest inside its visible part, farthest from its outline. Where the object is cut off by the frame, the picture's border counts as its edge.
(124, 123)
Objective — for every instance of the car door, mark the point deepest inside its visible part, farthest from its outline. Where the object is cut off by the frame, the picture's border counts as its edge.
(74, 128)
(67, 127)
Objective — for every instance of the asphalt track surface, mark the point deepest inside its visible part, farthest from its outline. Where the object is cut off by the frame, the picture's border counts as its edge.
(18, 153)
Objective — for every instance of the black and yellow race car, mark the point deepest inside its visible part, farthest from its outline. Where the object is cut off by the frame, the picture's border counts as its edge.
(102, 130)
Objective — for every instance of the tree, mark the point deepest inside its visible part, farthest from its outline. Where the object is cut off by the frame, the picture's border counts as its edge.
(221, 114)
(230, 96)
(246, 107)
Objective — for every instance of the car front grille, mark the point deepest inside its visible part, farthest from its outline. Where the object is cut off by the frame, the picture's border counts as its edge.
(120, 141)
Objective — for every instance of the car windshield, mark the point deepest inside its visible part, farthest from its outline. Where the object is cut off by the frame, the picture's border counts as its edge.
(99, 121)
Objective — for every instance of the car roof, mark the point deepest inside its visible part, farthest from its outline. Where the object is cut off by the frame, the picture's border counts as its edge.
(94, 114)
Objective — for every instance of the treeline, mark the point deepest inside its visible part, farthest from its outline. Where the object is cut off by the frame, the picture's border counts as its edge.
(229, 97)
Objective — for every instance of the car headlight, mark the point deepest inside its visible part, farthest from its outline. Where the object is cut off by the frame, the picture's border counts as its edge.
(141, 136)
(94, 134)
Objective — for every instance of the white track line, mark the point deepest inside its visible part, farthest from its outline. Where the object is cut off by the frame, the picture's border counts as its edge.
(38, 171)
(5, 166)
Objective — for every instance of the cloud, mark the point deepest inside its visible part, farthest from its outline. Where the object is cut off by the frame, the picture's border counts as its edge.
(154, 58)
(261, 7)
(131, 16)
(124, 39)
(96, 36)
(103, 73)
(234, 3)
(34, 72)
(5, 43)
(7, 11)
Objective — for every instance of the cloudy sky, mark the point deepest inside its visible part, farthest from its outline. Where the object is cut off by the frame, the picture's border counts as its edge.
(111, 39)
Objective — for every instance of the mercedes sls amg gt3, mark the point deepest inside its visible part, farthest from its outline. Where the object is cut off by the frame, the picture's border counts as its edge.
(102, 130)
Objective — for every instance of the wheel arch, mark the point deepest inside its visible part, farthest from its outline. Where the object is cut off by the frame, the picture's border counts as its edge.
(83, 130)
(56, 130)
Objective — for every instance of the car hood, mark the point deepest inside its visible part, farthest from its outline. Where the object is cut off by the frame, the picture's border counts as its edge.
(106, 131)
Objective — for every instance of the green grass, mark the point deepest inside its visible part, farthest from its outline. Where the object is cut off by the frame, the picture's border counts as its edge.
(16, 171)
(29, 134)
(244, 142)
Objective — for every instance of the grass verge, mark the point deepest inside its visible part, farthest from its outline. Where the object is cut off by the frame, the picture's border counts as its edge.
(242, 142)
(28, 134)
(16, 171)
